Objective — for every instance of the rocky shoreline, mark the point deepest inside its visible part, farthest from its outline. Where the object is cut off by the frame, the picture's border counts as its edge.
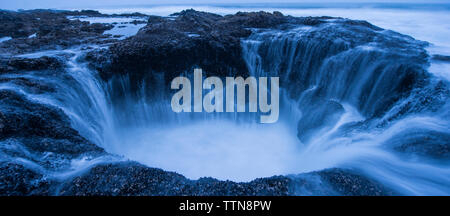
(42, 134)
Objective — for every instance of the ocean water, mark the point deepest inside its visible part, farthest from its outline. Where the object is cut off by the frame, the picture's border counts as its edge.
(230, 148)
(427, 22)
(220, 149)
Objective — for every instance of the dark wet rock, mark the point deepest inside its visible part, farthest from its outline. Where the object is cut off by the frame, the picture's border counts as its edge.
(310, 184)
(273, 186)
(378, 68)
(73, 147)
(91, 13)
(360, 23)
(32, 86)
(123, 179)
(191, 39)
(100, 60)
(135, 22)
(135, 14)
(17, 180)
(337, 182)
(30, 64)
(42, 134)
(41, 128)
(130, 178)
(430, 98)
(42, 139)
(47, 29)
(405, 79)
(350, 183)
(24, 23)
(256, 19)
(442, 58)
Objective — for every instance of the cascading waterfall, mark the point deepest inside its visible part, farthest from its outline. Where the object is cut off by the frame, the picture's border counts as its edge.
(81, 96)
(347, 100)
(354, 114)
(200, 144)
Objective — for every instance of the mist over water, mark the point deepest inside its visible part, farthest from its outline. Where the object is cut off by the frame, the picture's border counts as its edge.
(227, 146)
(218, 148)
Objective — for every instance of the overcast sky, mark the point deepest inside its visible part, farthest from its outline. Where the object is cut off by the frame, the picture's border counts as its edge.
(60, 4)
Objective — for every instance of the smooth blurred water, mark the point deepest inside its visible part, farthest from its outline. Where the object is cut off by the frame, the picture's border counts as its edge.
(207, 146)
(230, 146)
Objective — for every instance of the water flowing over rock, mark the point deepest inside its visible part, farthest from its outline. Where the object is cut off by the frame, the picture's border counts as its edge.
(361, 115)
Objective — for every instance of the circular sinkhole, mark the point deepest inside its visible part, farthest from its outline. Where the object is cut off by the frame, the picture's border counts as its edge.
(223, 149)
